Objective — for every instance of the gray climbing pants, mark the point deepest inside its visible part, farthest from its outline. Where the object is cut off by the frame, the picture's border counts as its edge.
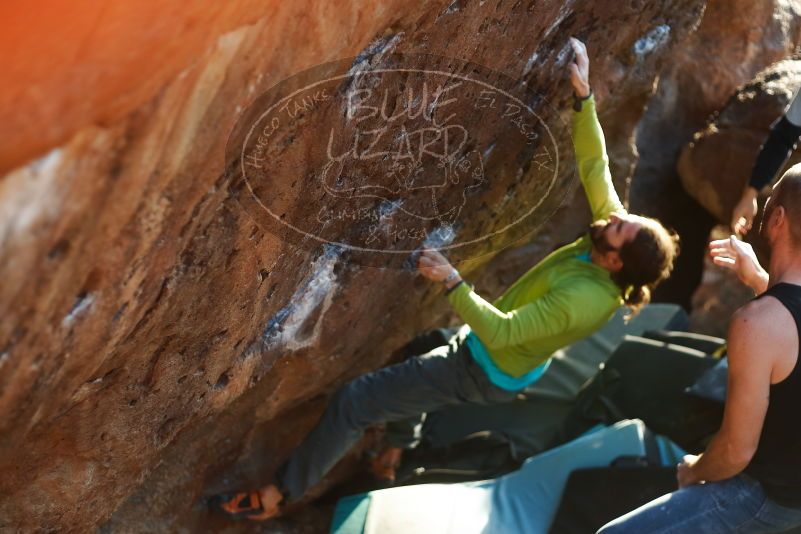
(445, 376)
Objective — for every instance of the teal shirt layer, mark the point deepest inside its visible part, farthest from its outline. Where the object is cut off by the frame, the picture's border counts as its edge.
(496, 376)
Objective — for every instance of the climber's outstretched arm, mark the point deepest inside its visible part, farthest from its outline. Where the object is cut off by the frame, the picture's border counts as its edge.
(588, 141)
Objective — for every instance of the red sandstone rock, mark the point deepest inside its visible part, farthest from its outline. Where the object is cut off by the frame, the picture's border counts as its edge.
(714, 169)
(717, 164)
(735, 40)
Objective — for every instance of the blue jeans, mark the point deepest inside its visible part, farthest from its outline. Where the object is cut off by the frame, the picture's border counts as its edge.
(735, 505)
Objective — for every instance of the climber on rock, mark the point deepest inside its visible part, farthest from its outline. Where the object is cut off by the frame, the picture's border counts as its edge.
(505, 345)
(781, 142)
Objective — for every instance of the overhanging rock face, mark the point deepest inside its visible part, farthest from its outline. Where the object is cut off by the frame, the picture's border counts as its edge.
(164, 333)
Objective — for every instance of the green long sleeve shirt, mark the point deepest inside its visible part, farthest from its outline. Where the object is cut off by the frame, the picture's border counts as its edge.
(563, 298)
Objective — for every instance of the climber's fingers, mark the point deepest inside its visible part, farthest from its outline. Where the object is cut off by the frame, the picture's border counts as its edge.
(432, 257)
(425, 263)
(580, 49)
(577, 45)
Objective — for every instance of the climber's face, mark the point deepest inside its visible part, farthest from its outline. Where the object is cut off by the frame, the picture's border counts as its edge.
(608, 237)
(621, 228)
(611, 234)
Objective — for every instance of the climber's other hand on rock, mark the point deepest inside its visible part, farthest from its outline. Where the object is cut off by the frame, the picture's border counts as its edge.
(742, 216)
(434, 265)
(580, 69)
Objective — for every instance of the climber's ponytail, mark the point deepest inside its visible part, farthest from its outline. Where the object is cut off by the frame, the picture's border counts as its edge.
(635, 299)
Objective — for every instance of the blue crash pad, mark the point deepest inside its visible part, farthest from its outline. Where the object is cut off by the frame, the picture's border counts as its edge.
(522, 501)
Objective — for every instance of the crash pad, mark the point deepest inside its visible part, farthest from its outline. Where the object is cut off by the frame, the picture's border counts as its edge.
(522, 501)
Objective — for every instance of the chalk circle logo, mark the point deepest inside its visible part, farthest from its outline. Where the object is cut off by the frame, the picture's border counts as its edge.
(383, 156)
